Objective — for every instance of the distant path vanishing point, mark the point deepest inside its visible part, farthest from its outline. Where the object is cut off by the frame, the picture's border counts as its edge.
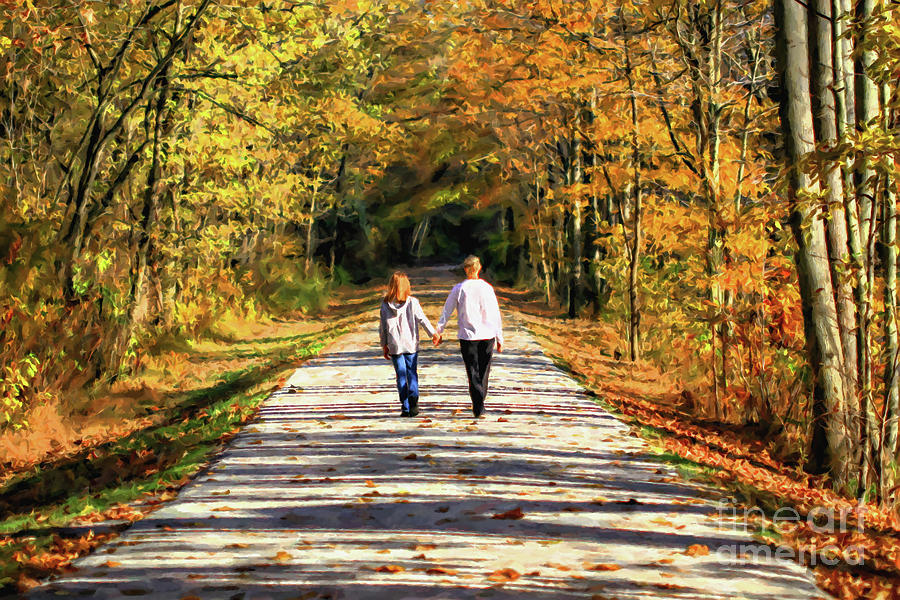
(331, 495)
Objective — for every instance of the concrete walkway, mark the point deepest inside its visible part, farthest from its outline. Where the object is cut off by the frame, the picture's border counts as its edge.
(331, 495)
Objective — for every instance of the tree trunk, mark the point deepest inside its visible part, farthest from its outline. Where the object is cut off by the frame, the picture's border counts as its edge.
(140, 281)
(634, 323)
(825, 121)
(830, 442)
(867, 118)
(845, 113)
(889, 433)
(310, 227)
(545, 267)
(577, 281)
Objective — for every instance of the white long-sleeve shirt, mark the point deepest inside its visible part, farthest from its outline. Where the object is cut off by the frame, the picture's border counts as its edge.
(478, 311)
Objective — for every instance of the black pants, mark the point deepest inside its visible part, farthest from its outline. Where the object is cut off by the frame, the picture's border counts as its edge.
(477, 355)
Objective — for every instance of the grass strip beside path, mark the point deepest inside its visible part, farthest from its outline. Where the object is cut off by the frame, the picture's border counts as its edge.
(62, 509)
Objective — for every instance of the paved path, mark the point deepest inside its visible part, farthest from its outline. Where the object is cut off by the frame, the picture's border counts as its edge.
(331, 495)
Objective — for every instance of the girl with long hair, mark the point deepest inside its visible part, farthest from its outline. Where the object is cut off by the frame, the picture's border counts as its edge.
(401, 316)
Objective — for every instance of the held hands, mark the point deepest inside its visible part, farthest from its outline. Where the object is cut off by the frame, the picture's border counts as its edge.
(499, 347)
(437, 338)
(386, 353)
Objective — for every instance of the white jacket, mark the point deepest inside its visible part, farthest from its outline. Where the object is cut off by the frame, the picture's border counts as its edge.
(399, 326)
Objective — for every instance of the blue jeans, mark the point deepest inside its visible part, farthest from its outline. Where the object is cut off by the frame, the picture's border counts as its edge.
(405, 366)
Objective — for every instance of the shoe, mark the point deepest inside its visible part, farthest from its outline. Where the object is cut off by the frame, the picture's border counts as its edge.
(404, 413)
(478, 412)
(413, 407)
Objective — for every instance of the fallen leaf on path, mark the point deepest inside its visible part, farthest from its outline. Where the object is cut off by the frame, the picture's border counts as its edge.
(515, 513)
(238, 546)
(603, 567)
(504, 575)
(420, 557)
(283, 556)
(557, 566)
(697, 550)
(419, 547)
(370, 483)
(411, 456)
(390, 569)
(440, 571)
(111, 564)
(223, 509)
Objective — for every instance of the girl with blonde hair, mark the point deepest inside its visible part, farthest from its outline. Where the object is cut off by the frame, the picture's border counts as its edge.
(401, 316)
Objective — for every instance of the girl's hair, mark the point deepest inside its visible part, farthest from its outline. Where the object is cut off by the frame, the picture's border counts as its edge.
(398, 288)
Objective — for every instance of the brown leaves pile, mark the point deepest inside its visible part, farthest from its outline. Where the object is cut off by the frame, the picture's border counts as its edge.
(58, 557)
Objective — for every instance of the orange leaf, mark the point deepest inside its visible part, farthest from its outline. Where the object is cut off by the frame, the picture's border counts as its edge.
(697, 550)
(515, 513)
(419, 547)
(604, 567)
(504, 575)
(440, 571)
(389, 569)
